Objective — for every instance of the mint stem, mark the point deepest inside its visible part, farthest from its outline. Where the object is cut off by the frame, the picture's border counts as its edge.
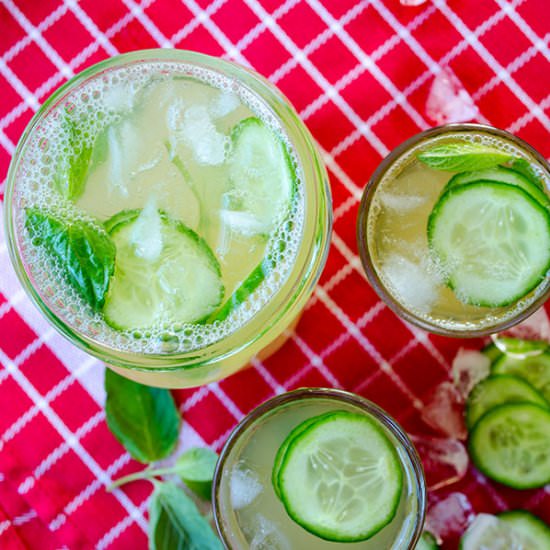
(143, 474)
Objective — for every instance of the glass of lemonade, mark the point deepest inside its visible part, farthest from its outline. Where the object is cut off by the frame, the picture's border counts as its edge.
(169, 213)
(315, 468)
(454, 230)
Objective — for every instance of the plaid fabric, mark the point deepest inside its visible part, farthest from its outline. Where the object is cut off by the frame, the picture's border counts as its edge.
(359, 73)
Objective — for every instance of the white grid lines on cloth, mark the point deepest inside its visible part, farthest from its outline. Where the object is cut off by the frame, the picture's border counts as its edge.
(17, 521)
(490, 60)
(66, 434)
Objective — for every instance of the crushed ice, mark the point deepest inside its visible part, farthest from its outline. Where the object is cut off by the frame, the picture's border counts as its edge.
(448, 100)
(267, 535)
(245, 487)
(450, 516)
(444, 411)
(469, 368)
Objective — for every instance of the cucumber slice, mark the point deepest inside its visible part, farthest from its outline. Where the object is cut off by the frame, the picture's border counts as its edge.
(500, 174)
(524, 167)
(511, 444)
(492, 352)
(340, 478)
(284, 447)
(427, 542)
(532, 531)
(492, 240)
(518, 347)
(262, 179)
(487, 532)
(164, 272)
(497, 390)
(534, 369)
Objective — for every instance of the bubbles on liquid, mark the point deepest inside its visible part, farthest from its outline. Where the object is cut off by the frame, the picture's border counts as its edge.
(103, 103)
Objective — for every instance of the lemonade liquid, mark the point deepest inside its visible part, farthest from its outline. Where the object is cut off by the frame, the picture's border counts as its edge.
(250, 515)
(144, 153)
(393, 231)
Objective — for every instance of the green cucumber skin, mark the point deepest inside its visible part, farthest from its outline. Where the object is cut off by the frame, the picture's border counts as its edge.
(503, 175)
(526, 522)
(329, 535)
(531, 395)
(476, 456)
(522, 368)
(427, 542)
(446, 195)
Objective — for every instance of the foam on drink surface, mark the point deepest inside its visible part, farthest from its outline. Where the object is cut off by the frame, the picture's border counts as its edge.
(105, 104)
(397, 234)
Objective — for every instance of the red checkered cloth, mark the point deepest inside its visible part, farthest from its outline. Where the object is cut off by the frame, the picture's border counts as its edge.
(359, 73)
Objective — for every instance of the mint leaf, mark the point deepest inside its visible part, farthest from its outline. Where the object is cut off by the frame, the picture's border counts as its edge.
(144, 419)
(72, 169)
(523, 167)
(84, 252)
(462, 157)
(196, 468)
(175, 522)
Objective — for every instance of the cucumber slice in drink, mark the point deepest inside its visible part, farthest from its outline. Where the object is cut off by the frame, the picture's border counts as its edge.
(164, 272)
(340, 478)
(511, 444)
(284, 447)
(262, 179)
(492, 240)
(497, 390)
(532, 531)
(427, 542)
(533, 369)
(500, 174)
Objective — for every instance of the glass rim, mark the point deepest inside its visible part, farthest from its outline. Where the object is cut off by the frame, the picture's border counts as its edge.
(340, 395)
(362, 239)
(302, 277)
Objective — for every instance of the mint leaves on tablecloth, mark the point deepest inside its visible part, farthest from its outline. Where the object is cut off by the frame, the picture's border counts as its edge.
(144, 419)
(176, 523)
(84, 252)
(462, 157)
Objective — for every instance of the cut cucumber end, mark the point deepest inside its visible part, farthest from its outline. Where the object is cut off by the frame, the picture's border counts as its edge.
(341, 478)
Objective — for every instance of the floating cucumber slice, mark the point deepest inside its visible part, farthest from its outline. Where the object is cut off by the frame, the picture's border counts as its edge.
(497, 390)
(532, 531)
(340, 478)
(164, 272)
(500, 174)
(511, 444)
(262, 179)
(284, 447)
(524, 167)
(492, 240)
(427, 542)
(534, 369)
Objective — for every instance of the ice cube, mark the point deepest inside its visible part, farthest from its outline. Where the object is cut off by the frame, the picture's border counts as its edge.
(413, 2)
(224, 104)
(402, 203)
(445, 460)
(146, 234)
(198, 132)
(469, 368)
(120, 98)
(267, 535)
(487, 531)
(450, 516)
(245, 487)
(448, 100)
(444, 411)
(417, 287)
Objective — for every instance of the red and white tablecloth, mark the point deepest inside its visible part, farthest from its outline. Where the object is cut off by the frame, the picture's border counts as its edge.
(359, 73)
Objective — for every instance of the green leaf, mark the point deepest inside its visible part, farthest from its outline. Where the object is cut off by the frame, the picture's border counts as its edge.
(461, 157)
(144, 419)
(72, 169)
(176, 524)
(84, 252)
(524, 167)
(196, 468)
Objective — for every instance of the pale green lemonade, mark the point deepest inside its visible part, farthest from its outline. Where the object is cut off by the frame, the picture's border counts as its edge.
(249, 513)
(158, 215)
(394, 243)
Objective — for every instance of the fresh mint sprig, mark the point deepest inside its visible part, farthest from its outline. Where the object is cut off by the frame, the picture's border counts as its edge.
(144, 419)
(83, 251)
(463, 157)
